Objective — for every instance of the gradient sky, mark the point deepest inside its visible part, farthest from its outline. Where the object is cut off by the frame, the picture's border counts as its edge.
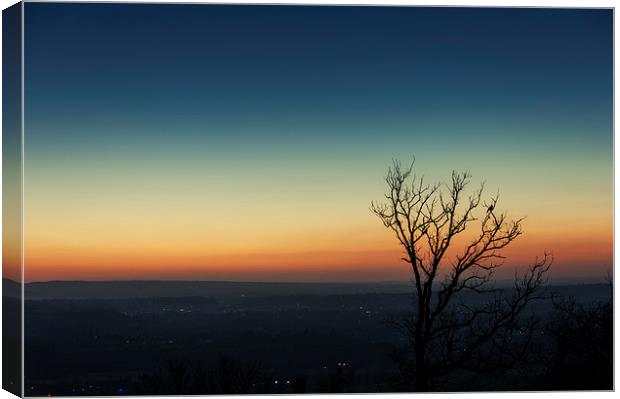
(246, 142)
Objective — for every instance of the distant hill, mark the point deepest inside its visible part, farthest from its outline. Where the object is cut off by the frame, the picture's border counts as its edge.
(221, 289)
(11, 288)
(229, 289)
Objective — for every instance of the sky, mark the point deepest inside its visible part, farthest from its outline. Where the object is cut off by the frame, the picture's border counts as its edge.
(11, 143)
(247, 142)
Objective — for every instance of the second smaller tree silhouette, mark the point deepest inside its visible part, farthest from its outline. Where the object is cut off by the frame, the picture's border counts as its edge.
(446, 331)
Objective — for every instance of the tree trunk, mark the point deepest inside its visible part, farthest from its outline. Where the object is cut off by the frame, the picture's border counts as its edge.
(421, 372)
(421, 384)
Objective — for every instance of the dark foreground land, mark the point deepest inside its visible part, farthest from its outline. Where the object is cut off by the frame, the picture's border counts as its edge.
(216, 338)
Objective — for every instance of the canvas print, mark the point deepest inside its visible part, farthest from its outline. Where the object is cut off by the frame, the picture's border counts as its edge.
(219, 199)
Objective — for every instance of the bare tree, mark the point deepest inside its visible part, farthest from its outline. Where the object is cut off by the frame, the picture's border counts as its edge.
(447, 333)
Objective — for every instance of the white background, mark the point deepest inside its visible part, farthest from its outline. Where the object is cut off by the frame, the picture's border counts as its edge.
(496, 3)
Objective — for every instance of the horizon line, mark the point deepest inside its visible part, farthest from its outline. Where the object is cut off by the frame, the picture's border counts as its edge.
(585, 280)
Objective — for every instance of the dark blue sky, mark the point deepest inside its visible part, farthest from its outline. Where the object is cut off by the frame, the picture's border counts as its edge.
(244, 68)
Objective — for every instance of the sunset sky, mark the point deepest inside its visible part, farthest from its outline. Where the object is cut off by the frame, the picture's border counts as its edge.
(246, 142)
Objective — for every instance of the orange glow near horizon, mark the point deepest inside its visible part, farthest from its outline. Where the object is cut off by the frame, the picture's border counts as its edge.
(365, 254)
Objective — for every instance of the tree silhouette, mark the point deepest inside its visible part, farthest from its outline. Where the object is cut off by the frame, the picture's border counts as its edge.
(448, 332)
(580, 355)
